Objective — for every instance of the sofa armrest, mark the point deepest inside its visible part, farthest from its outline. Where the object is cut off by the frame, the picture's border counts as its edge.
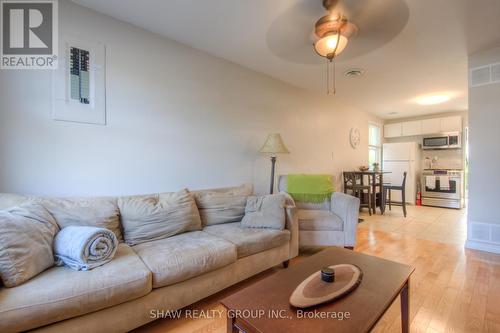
(347, 208)
(292, 224)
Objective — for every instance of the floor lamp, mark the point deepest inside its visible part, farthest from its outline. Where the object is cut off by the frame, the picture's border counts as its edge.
(274, 145)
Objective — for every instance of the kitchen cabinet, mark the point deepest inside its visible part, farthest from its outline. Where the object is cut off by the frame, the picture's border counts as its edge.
(431, 126)
(411, 128)
(451, 124)
(393, 130)
(423, 127)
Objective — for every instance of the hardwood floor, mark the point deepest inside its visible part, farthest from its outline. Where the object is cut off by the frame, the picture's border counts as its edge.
(437, 224)
(452, 289)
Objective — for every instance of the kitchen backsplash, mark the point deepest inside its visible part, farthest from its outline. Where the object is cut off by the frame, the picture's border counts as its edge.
(443, 159)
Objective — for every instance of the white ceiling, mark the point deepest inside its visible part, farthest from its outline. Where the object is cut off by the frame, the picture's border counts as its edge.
(428, 56)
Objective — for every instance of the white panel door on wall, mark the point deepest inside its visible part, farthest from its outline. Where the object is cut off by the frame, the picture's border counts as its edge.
(411, 128)
(392, 130)
(451, 124)
(431, 126)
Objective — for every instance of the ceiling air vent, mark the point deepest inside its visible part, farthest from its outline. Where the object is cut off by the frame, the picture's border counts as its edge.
(484, 75)
(354, 72)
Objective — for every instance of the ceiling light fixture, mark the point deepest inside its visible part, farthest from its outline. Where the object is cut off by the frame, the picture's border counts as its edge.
(332, 32)
(432, 99)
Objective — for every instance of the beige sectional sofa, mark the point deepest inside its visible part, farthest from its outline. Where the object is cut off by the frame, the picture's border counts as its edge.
(163, 274)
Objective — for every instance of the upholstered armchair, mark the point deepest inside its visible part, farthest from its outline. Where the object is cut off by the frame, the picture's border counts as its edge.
(330, 223)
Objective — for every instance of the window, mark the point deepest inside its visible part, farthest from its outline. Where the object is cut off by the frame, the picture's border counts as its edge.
(374, 144)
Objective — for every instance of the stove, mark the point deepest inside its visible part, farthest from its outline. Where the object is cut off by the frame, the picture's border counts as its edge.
(443, 188)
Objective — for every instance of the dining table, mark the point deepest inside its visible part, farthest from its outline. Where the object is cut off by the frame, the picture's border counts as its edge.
(376, 180)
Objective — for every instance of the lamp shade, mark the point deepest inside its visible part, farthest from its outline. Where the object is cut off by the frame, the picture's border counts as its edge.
(274, 145)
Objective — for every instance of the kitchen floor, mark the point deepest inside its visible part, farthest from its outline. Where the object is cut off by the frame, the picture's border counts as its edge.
(422, 222)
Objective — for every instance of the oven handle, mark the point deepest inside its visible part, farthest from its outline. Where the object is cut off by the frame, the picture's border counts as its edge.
(457, 179)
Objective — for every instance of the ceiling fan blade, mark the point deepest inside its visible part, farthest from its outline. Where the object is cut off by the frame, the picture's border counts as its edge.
(378, 22)
(290, 36)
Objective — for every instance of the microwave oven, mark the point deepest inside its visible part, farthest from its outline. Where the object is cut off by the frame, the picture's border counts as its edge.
(443, 141)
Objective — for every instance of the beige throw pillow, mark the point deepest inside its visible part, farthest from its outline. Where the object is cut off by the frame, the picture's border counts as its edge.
(265, 212)
(219, 206)
(26, 237)
(147, 218)
(9, 200)
(216, 208)
(92, 212)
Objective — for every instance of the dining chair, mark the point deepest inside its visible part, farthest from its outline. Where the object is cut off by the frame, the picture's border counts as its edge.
(388, 188)
(352, 182)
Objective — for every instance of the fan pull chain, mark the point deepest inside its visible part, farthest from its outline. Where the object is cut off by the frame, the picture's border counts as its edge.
(328, 60)
(327, 76)
(334, 78)
(334, 61)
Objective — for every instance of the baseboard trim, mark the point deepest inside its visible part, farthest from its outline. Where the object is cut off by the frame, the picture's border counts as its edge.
(482, 246)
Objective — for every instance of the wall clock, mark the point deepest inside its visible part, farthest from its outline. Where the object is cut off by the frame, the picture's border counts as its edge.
(354, 137)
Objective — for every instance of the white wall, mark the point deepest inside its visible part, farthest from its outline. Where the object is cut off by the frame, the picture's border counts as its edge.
(176, 117)
(484, 183)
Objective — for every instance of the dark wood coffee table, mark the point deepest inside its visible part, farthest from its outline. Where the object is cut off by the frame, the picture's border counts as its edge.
(264, 306)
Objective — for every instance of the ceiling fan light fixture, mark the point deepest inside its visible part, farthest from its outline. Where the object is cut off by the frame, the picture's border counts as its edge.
(332, 32)
(327, 46)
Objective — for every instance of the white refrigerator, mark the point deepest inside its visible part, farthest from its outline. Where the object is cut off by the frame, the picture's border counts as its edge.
(398, 158)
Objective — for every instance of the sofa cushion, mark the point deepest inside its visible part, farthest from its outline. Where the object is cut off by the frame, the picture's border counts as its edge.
(26, 237)
(223, 205)
(243, 189)
(9, 200)
(93, 211)
(319, 220)
(266, 211)
(147, 218)
(184, 256)
(60, 293)
(249, 241)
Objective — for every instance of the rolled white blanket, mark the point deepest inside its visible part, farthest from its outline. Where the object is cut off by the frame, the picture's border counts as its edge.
(83, 248)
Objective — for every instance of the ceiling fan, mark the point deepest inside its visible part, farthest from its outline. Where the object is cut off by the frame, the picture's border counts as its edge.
(330, 25)
(332, 31)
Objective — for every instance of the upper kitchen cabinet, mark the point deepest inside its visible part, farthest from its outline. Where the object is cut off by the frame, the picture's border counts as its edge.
(411, 128)
(451, 124)
(423, 127)
(393, 130)
(431, 126)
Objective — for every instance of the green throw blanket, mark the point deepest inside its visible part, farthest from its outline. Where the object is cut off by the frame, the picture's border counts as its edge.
(310, 188)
